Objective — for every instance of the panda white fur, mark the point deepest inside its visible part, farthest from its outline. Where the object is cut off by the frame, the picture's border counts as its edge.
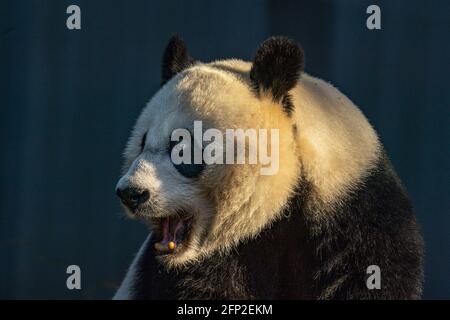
(310, 231)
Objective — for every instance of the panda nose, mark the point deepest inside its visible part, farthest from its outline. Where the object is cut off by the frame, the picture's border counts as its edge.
(133, 197)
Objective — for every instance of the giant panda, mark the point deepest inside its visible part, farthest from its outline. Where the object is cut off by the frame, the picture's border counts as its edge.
(334, 208)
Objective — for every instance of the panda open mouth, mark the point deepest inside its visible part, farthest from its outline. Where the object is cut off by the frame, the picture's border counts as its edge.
(172, 233)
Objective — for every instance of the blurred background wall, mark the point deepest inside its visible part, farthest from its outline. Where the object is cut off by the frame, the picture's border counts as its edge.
(69, 99)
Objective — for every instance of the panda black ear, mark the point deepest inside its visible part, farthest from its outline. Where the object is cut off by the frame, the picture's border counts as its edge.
(276, 68)
(175, 59)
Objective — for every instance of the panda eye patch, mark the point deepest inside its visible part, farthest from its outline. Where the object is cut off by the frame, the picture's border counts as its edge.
(189, 170)
(144, 138)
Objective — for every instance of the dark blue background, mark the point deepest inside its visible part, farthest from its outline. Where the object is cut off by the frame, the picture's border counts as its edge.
(69, 99)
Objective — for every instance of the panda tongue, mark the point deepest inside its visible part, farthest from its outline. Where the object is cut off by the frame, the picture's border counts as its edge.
(170, 228)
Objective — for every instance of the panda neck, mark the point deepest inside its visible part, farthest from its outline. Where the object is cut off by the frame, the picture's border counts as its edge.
(244, 272)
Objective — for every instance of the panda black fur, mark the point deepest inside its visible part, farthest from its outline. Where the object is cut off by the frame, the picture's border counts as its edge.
(337, 208)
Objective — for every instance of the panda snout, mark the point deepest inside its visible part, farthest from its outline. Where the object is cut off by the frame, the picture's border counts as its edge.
(133, 197)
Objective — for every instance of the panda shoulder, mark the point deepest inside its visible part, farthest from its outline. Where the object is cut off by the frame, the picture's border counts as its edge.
(337, 145)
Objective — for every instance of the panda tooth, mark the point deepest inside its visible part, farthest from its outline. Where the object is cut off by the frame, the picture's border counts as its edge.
(171, 245)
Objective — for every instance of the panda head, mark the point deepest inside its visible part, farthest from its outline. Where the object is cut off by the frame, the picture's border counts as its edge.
(205, 208)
